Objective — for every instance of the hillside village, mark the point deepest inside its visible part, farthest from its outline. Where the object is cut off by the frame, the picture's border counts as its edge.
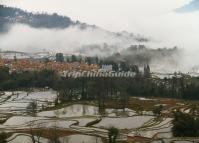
(74, 65)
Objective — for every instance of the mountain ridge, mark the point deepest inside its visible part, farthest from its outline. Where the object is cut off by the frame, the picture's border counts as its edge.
(11, 16)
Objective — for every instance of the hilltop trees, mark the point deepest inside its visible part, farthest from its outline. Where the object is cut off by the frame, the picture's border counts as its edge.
(38, 20)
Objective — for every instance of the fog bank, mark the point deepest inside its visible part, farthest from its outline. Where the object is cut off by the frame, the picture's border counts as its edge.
(93, 42)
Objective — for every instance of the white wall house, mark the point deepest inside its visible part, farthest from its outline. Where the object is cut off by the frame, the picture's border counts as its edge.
(106, 68)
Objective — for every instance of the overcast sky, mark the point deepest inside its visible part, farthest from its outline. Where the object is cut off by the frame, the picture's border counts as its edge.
(158, 19)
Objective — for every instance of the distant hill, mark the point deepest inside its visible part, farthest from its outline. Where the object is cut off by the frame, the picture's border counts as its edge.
(10, 16)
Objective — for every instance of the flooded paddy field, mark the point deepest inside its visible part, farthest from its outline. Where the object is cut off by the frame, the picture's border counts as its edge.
(78, 122)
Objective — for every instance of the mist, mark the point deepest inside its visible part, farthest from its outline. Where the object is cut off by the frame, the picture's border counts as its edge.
(70, 40)
(93, 42)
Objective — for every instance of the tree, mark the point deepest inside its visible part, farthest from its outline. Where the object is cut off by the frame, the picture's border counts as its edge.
(15, 58)
(73, 58)
(123, 95)
(88, 60)
(157, 110)
(32, 107)
(124, 66)
(66, 89)
(46, 60)
(83, 92)
(54, 135)
(147, 71)
(114, 66)
(100, 93)
(3, 137)
(112, 134)
(4, 74)
(96, 60)
(135, 69)
(140, 110)
(185, 125)
(194, 111)
(59, 57)
(35, 134)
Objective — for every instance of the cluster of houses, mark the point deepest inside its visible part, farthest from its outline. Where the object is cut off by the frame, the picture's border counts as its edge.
(70, 70)
(24, 65)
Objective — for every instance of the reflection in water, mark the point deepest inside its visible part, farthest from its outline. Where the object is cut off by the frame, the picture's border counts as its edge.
(124, 122)
(76, 110)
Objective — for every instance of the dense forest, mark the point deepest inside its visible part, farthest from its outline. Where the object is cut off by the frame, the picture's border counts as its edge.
(91, 88)
(10, 15)
(25, 80)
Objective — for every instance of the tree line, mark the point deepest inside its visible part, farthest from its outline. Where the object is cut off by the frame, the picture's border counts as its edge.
(91, 88)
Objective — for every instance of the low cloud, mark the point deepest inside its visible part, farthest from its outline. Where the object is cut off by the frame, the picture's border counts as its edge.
(91, 42)
(70, 40)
